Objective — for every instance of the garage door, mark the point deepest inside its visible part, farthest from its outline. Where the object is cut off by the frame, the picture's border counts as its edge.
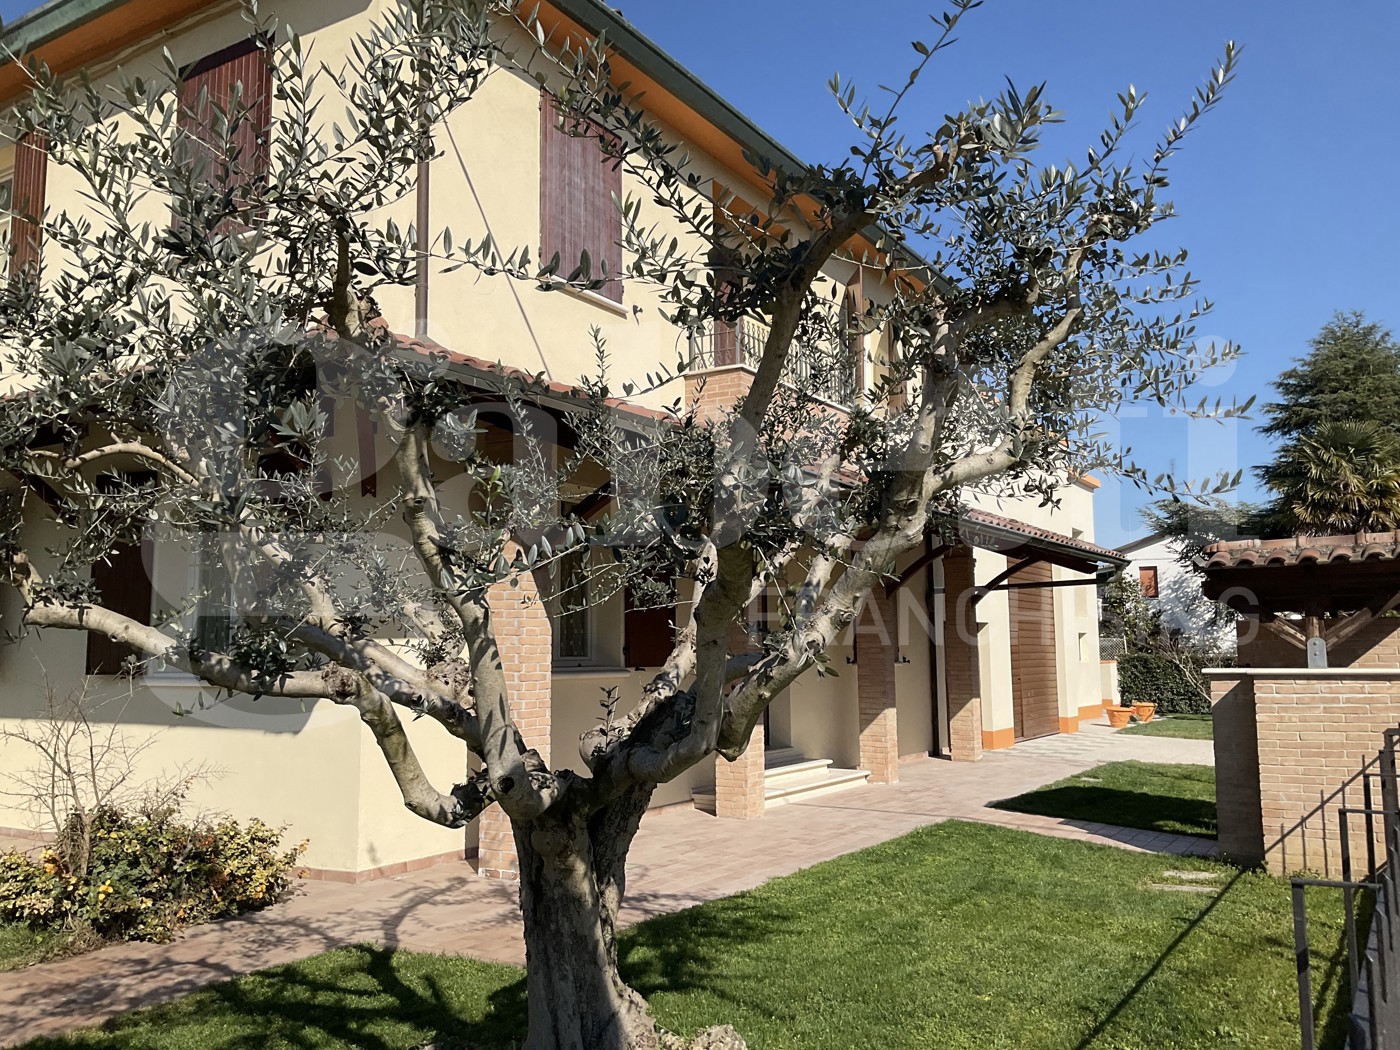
(1035, 688)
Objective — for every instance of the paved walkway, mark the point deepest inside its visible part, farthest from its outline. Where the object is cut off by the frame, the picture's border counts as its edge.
(681, 857)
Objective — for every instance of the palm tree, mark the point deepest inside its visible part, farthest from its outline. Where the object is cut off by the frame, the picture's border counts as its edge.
(1345, 478)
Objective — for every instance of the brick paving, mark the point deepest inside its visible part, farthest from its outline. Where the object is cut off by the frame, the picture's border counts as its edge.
(681, 857)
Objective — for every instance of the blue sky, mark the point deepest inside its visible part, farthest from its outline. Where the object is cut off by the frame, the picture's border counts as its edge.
(1284, 194)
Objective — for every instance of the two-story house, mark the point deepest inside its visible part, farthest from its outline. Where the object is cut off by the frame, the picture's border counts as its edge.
(974, 645)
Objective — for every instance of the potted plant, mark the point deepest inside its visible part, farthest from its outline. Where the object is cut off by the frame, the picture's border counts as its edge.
(1119, 715)
(1144, 712)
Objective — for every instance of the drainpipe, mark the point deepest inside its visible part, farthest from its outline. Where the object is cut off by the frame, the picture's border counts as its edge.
(934, 668)
(420, 277)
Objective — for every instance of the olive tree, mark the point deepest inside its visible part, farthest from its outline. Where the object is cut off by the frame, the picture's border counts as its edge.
(175, 376)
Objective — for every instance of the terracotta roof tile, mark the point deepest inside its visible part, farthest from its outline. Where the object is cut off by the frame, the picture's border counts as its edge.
(982, 517)
(1302, 550)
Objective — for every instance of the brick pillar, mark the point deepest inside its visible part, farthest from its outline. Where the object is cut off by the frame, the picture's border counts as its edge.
(524, 637)
(739, 784)
(1237, 788)
(876, 652)
(962, 674)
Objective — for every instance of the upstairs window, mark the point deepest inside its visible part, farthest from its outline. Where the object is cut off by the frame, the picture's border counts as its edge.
(579, 184)
(228, 158)
(1147, 580)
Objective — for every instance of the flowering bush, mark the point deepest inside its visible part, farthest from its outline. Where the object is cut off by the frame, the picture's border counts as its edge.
(149, 874)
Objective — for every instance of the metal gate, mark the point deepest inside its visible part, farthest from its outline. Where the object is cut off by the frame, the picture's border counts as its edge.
(1370, 874)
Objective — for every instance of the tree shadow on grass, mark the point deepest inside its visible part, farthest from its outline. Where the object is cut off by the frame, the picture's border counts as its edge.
(1169, 814)
(367, 997)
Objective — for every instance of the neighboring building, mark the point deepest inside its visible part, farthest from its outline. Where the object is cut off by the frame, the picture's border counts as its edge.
(960, 655)
(1174, 590)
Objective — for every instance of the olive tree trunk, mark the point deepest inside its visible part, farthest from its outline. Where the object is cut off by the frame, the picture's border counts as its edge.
(572, 876)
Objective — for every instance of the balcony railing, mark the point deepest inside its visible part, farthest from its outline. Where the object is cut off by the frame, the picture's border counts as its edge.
(823, 368)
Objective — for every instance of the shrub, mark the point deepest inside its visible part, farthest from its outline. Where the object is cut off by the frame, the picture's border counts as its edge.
(1170, 679)
(149, 874)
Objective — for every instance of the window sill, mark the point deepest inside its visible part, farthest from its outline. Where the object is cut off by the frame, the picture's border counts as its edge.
(589, 671)
(594, 298)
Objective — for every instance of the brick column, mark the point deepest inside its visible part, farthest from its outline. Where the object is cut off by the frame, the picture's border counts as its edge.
(962, 675)
(524, 636)
(1237, 786)
(875, 658)
(739, 784)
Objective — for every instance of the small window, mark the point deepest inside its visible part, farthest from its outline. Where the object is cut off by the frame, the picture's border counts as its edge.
(573, 622)
(214, 619)
(1147, 580)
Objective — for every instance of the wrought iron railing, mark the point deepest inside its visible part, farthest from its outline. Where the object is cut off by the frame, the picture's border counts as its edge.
(822, 368)
(1370, 875)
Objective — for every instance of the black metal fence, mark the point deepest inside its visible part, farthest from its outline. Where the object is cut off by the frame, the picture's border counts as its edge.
(1370, 865)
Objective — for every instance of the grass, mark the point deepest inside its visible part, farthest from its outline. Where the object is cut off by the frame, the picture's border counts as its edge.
(21, 946)
(1188, 727)
(1178, 799)
(958, 936)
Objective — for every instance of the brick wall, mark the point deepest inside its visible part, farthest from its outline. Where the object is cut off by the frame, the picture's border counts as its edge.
(717, 391)
(962, 677)
(524, 636)
(1314, 732)
(875, 687)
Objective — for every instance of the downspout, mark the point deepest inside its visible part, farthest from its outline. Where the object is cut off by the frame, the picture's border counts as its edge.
(934, 669)
(420, 276)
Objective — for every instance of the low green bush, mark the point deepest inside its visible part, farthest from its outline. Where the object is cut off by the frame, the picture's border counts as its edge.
(1172, 681)
(147, 875)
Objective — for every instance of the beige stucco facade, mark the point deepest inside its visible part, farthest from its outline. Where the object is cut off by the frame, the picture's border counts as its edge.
(313, 767)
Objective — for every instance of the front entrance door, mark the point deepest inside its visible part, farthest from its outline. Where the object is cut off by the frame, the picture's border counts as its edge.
(1035, 688)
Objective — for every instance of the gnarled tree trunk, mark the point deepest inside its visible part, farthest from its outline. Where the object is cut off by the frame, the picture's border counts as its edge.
(571, 885)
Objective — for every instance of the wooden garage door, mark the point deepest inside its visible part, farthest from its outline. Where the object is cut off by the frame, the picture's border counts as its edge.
(1035, 690)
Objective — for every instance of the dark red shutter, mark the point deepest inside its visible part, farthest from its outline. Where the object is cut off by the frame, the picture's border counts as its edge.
(578, 182)
(31, 178)
(648, 635)
(212, 81)
(124, 586)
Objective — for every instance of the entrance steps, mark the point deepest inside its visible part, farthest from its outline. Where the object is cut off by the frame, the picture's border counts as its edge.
(790, 776)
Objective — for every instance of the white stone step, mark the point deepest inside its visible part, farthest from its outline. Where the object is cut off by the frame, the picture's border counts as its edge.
(786, 776)
(782, 756)
(795, 782)
(835, 780)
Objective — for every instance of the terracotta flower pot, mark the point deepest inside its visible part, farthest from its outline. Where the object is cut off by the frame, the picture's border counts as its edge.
(1144, 712)
(1118, 717)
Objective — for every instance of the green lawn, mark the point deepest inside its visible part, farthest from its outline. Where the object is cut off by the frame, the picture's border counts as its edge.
(21, 946)
(1179, 799)
(1190, 727)
(958, 936)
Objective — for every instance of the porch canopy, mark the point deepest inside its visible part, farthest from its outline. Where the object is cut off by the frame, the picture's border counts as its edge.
(1022, 545)
(1337, 583)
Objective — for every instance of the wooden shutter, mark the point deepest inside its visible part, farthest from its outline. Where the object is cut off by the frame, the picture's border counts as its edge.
(648, 635)
(578, 182)
(31, 179)
(212, 81)
(124, 586)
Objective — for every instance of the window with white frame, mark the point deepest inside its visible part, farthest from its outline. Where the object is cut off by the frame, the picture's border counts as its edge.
(571, 609)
